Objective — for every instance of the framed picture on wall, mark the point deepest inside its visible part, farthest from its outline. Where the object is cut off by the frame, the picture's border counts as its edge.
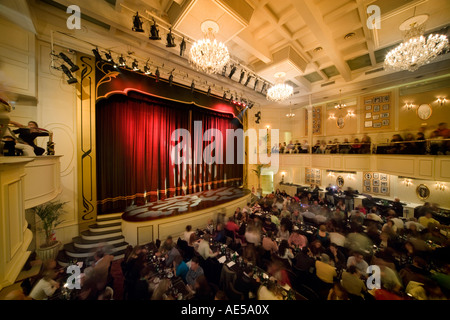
(377, 100)
(384, 184)
(385, 98)
(367, 183)
(368, 115)
(375, 190)
(367, 101)
(376, 175)
(367, 124)
(368, 175)
(385, 115)
(422, 192)
(385, 107)
(385, 123)
(340, 122)
(376, 108)
(376, 117)
(377, 124)
(383, 177)
(384, 190)
(367, 189)
(376, 183)
(368, 108)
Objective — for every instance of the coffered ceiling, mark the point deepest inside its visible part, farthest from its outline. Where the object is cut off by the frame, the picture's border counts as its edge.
(322, 45)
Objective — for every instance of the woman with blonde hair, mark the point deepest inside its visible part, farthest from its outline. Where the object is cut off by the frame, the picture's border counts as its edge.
(160, 292)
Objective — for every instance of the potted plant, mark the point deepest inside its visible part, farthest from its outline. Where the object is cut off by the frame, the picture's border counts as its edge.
(50, 215)
(258, 171)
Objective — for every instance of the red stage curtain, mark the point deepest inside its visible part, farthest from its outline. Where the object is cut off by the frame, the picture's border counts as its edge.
(134, 151)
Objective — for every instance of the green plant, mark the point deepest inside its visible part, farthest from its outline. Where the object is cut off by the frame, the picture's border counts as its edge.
(258, 171)
(50, 214)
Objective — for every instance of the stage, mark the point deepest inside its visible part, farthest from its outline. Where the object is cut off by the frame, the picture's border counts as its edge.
(159, 219)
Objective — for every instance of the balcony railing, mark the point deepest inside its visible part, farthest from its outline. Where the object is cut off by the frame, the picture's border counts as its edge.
(414, 147)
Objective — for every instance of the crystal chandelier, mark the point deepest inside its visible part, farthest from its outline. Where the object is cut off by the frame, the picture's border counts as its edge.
(416, 50)
(280, 91)
(340, 105)
(290, 114)
(208, 55)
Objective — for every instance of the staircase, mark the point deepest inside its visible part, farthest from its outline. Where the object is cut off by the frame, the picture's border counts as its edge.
(107, 231)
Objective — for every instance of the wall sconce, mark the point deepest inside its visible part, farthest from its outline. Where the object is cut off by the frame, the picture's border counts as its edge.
(408, 106)
(267, 127)
(350, 113)
(441, 101)
(350, 177)
(282, 176)
(440, 186)
(407, 182)
(331, 174)
(331, 117)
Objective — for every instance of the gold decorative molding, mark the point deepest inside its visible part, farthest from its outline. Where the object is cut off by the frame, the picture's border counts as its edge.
(86, 146)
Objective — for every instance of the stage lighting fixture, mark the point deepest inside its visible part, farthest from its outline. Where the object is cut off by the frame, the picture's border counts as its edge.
(73, 67)
(170, 79)
(122, 62)
(192, 86)
(233, 70)
(224, 70)
(154, 32)
(69, 75)
(258, 117)
(256, 84)
(248, 80)
(135, 66)
(108, 56)
(170, 39)
(157, 74)
(224, 95)
(209, 91)
(182, 47)
(250, 105)
(97, 54)
(263, 87)
(137, 23)
(242, 76)
(147, 69)
(231, 98)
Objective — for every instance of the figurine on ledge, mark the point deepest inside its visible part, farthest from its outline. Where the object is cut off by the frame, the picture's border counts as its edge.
(27, 135)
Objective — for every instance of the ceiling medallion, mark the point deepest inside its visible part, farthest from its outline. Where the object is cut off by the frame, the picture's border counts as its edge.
(416, 50)
(209, 55)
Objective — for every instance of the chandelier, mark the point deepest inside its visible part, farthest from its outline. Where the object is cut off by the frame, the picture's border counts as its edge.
(280, 91)
(290, 114)
(340, 105)
(416, 50)
(208, 55)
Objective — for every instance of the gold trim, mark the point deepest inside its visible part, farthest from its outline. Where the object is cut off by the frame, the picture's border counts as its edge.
(337, 181)
(418, 193)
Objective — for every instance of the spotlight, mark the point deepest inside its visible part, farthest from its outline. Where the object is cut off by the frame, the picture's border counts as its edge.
(233, 70)
(137, 23)
(154, 32)
(250, 105)
(147, 69)
(192, 86)
(122, 62)
(248, 80)
(242, 76)
(209, 91)
(256, 84)
(170, 79)
(157, 74)
(182, 47)
(224, 70)
(224, 95)
(73, 67)
(231, 98)
(68, 74)
(97, 54)
(134, 65)
(170, 39)
(263, 87)
(110, 59)
(258, 117)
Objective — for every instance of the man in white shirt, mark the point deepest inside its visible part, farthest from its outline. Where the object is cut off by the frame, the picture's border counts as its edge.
(203, 248)
(45, 287)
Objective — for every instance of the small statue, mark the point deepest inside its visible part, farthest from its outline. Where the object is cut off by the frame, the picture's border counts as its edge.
(182, 47)
(154, 31)
(170, 39)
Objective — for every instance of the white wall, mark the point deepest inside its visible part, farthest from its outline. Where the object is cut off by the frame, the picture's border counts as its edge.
(53, 106)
